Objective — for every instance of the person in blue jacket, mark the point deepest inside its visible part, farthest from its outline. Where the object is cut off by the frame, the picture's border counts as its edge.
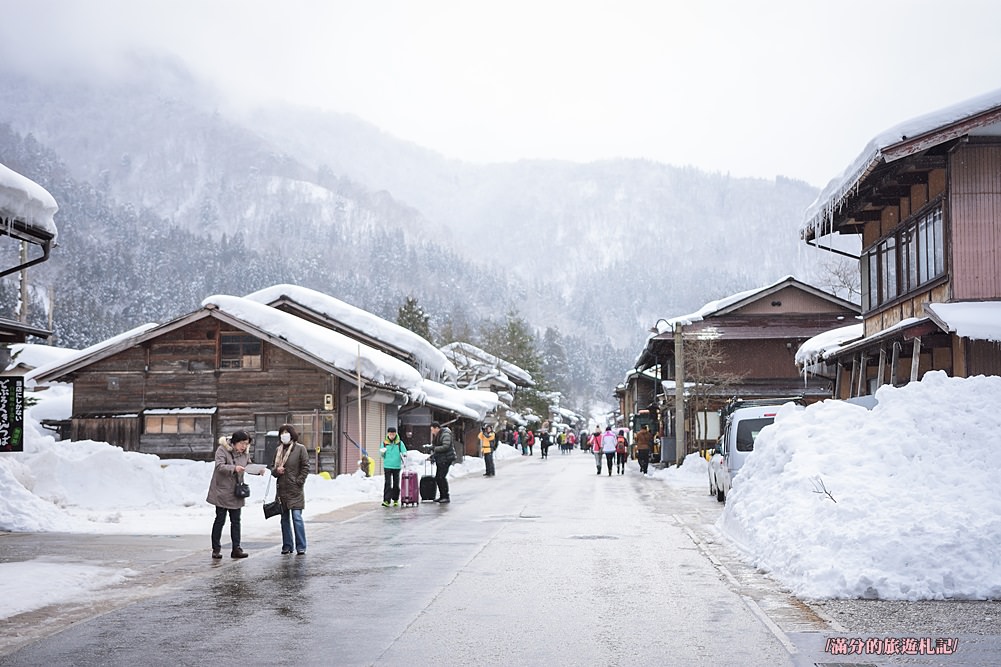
(392, 452)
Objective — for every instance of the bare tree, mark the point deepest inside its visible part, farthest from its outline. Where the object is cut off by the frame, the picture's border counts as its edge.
(706, 368)
(842, 278)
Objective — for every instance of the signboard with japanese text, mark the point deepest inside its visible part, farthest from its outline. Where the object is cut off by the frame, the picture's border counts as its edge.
(11, 414)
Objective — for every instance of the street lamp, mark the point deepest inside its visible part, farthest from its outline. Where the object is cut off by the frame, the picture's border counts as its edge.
(656, 328)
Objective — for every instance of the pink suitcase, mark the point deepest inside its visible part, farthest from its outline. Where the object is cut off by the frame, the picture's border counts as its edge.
(409, 488)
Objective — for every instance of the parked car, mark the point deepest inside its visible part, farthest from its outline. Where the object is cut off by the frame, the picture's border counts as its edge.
(743, 423)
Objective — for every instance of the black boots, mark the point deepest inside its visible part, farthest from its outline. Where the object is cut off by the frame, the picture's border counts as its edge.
(238, 553)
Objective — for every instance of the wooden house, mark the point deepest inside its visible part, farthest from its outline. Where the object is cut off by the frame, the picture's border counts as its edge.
(924, 198)
(172, 389)
(742, 346)
(480, 370)
(463, 409)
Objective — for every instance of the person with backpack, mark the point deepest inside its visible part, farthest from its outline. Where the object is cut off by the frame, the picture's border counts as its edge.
(608, 447)
(621, 452)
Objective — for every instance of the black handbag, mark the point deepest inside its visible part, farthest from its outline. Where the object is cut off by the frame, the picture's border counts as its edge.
(274, 508)
(242, 489)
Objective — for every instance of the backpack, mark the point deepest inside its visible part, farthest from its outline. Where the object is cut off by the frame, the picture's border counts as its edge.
(620, 445)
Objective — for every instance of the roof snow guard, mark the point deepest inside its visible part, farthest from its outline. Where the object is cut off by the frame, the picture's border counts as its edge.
(900, 141)
(26, 214)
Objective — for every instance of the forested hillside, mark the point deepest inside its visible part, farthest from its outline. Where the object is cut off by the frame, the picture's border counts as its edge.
(166, 198)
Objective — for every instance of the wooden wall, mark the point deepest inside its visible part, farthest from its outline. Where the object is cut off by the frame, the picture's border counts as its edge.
(975, 221)
(178, 370)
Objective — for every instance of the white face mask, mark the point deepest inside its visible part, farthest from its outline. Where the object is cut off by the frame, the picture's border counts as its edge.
(286, 438)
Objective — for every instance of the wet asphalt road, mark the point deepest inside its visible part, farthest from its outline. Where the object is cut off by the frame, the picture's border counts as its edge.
(547, 563)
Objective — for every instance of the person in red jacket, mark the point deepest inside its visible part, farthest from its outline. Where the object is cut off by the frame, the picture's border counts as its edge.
(621, 452)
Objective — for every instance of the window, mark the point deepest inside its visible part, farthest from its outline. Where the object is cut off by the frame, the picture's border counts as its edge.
(267, 422)
(307, 425)
(904, 261)
(239, 351)
(175, 423)
(747, 432)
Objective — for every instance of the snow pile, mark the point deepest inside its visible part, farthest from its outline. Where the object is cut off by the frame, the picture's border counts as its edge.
(898, 502)
(693, 472)
(23, 593)
(93, 487)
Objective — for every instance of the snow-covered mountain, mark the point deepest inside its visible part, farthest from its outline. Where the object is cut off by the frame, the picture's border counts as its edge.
(598, 250)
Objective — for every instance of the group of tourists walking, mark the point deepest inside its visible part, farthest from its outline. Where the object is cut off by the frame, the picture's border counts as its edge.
(613, 448)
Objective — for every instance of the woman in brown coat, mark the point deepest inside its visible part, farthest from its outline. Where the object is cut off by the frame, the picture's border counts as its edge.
(231, 459)
(291, 468)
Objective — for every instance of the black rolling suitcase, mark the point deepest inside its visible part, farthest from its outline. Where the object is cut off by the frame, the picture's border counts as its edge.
(429, 487)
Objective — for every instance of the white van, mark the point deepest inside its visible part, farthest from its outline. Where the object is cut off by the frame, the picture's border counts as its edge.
(737, 442)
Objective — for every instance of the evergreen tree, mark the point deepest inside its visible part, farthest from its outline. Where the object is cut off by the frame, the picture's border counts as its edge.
(515, 342)
(411, 316)
(555, 363)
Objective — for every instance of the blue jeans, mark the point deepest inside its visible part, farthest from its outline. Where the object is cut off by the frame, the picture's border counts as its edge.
(290, 522)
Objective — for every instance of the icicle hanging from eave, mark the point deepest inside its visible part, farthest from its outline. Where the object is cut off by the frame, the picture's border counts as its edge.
(821, 223)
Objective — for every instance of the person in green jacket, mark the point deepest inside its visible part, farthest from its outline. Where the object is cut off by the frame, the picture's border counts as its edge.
(392, 452)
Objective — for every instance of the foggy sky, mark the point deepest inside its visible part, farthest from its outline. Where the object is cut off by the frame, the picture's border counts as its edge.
(784, 87)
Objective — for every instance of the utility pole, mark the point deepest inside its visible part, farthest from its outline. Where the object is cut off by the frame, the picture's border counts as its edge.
(679, 396)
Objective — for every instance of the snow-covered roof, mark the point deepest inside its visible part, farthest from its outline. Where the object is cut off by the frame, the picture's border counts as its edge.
(469, 403)
(31, 355)
(364, 322)
(729, 302)
(976, 320)
(822, 345)
(983, 113)
(732, 302)
(24, 200)
(467, 355)
(80, 357)
(340, 351)
(650, 373)
(180, 411)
